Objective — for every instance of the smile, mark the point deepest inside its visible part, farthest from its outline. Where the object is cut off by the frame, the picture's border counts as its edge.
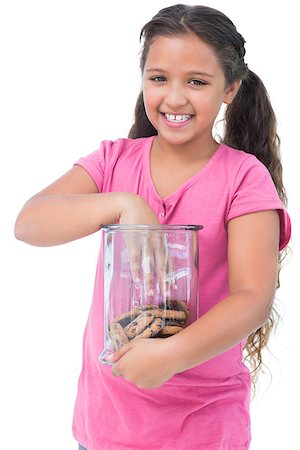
(176, 120)
(178, 117)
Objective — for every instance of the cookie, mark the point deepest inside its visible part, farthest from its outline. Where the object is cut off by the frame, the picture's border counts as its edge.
(124, 319)
(147, 321)
(139, 324)
(169, 331)
(177, 323)
(177, 305)
(170, 314)
(152, 330)
(117, 335)
(146, 307)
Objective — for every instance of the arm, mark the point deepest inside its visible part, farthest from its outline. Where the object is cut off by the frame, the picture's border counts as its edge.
(253, 261)
(252, 258)
(71, 208)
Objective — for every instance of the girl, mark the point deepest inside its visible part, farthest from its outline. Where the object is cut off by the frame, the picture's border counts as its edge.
(190, 391)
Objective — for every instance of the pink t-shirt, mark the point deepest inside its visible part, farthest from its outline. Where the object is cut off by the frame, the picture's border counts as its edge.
(207, 407)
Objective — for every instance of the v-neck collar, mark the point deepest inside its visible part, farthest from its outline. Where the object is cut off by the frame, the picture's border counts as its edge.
(170, 198)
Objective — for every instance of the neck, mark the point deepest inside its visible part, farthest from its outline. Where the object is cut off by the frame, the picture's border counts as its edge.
(187, 152)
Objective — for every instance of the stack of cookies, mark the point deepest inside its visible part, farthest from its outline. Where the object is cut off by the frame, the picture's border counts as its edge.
(148, 321)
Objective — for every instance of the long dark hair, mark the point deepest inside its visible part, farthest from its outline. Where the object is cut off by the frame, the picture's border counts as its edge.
(250, 122)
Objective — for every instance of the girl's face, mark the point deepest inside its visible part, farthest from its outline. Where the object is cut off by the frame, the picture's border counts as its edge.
(184, 88)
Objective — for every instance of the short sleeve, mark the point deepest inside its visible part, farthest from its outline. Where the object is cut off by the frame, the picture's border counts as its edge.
(253, 191)
(97, 162)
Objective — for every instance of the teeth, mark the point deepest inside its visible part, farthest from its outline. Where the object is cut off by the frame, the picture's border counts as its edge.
(178, 118)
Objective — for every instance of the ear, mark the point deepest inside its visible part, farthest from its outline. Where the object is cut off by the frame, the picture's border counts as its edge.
(231, 91)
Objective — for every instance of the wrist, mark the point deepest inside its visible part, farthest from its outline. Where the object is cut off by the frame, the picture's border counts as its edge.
(127, 200)
(175, 350)
(135, 210)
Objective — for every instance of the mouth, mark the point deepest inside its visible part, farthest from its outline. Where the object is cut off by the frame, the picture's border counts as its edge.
(177, 118)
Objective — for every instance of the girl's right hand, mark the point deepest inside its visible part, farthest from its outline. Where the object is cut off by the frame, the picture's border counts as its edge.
(148, 252)
(135, 210)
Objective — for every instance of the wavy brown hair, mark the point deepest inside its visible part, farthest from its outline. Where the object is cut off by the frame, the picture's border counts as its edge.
(250, 122)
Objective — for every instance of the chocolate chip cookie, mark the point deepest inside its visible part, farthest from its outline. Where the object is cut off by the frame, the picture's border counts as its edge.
(169, 330)
(117, 335)
(149, 321)
(152, 330)
(125, 318)
(170, 314)
(139, 324)
(175, 305)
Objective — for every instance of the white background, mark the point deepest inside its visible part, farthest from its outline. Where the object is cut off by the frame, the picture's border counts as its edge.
(70, 78)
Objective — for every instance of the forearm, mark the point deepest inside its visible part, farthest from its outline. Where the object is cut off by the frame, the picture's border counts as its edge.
(56, 219)
(222, 327)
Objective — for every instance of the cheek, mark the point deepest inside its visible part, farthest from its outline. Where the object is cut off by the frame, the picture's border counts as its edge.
(152, 100)
(209, 104)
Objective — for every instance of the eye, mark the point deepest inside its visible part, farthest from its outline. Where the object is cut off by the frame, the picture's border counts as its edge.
(158, 79)
(197, 82)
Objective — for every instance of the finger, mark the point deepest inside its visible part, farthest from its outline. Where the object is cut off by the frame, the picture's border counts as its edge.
(134, 250)
(148, 267)
(119, 353)
(133, 254)
(171, 273)
(164, 266)
(135, 264)
(161, 269)
(116, 371)
(160, 246)
(148, 275)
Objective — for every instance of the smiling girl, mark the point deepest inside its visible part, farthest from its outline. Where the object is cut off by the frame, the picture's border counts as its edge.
(192, 390)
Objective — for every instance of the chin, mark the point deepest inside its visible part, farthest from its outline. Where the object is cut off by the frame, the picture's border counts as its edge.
(173, 139)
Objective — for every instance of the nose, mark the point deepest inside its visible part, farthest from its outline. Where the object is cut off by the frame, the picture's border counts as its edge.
(175, 97)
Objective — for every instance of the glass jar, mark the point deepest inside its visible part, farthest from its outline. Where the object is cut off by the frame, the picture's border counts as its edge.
(150, 282)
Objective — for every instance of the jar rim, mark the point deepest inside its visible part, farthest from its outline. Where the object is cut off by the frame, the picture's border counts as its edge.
(154, 227)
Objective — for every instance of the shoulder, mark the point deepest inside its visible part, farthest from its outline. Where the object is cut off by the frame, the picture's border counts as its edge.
(242, 166)
(110, 152)
(253, 190)
(122, 145)
(238, 158)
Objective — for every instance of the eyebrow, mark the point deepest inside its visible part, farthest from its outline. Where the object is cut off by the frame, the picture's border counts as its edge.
(191, 72)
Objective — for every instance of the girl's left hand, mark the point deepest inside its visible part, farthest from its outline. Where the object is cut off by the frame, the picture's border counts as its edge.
(148, 363)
